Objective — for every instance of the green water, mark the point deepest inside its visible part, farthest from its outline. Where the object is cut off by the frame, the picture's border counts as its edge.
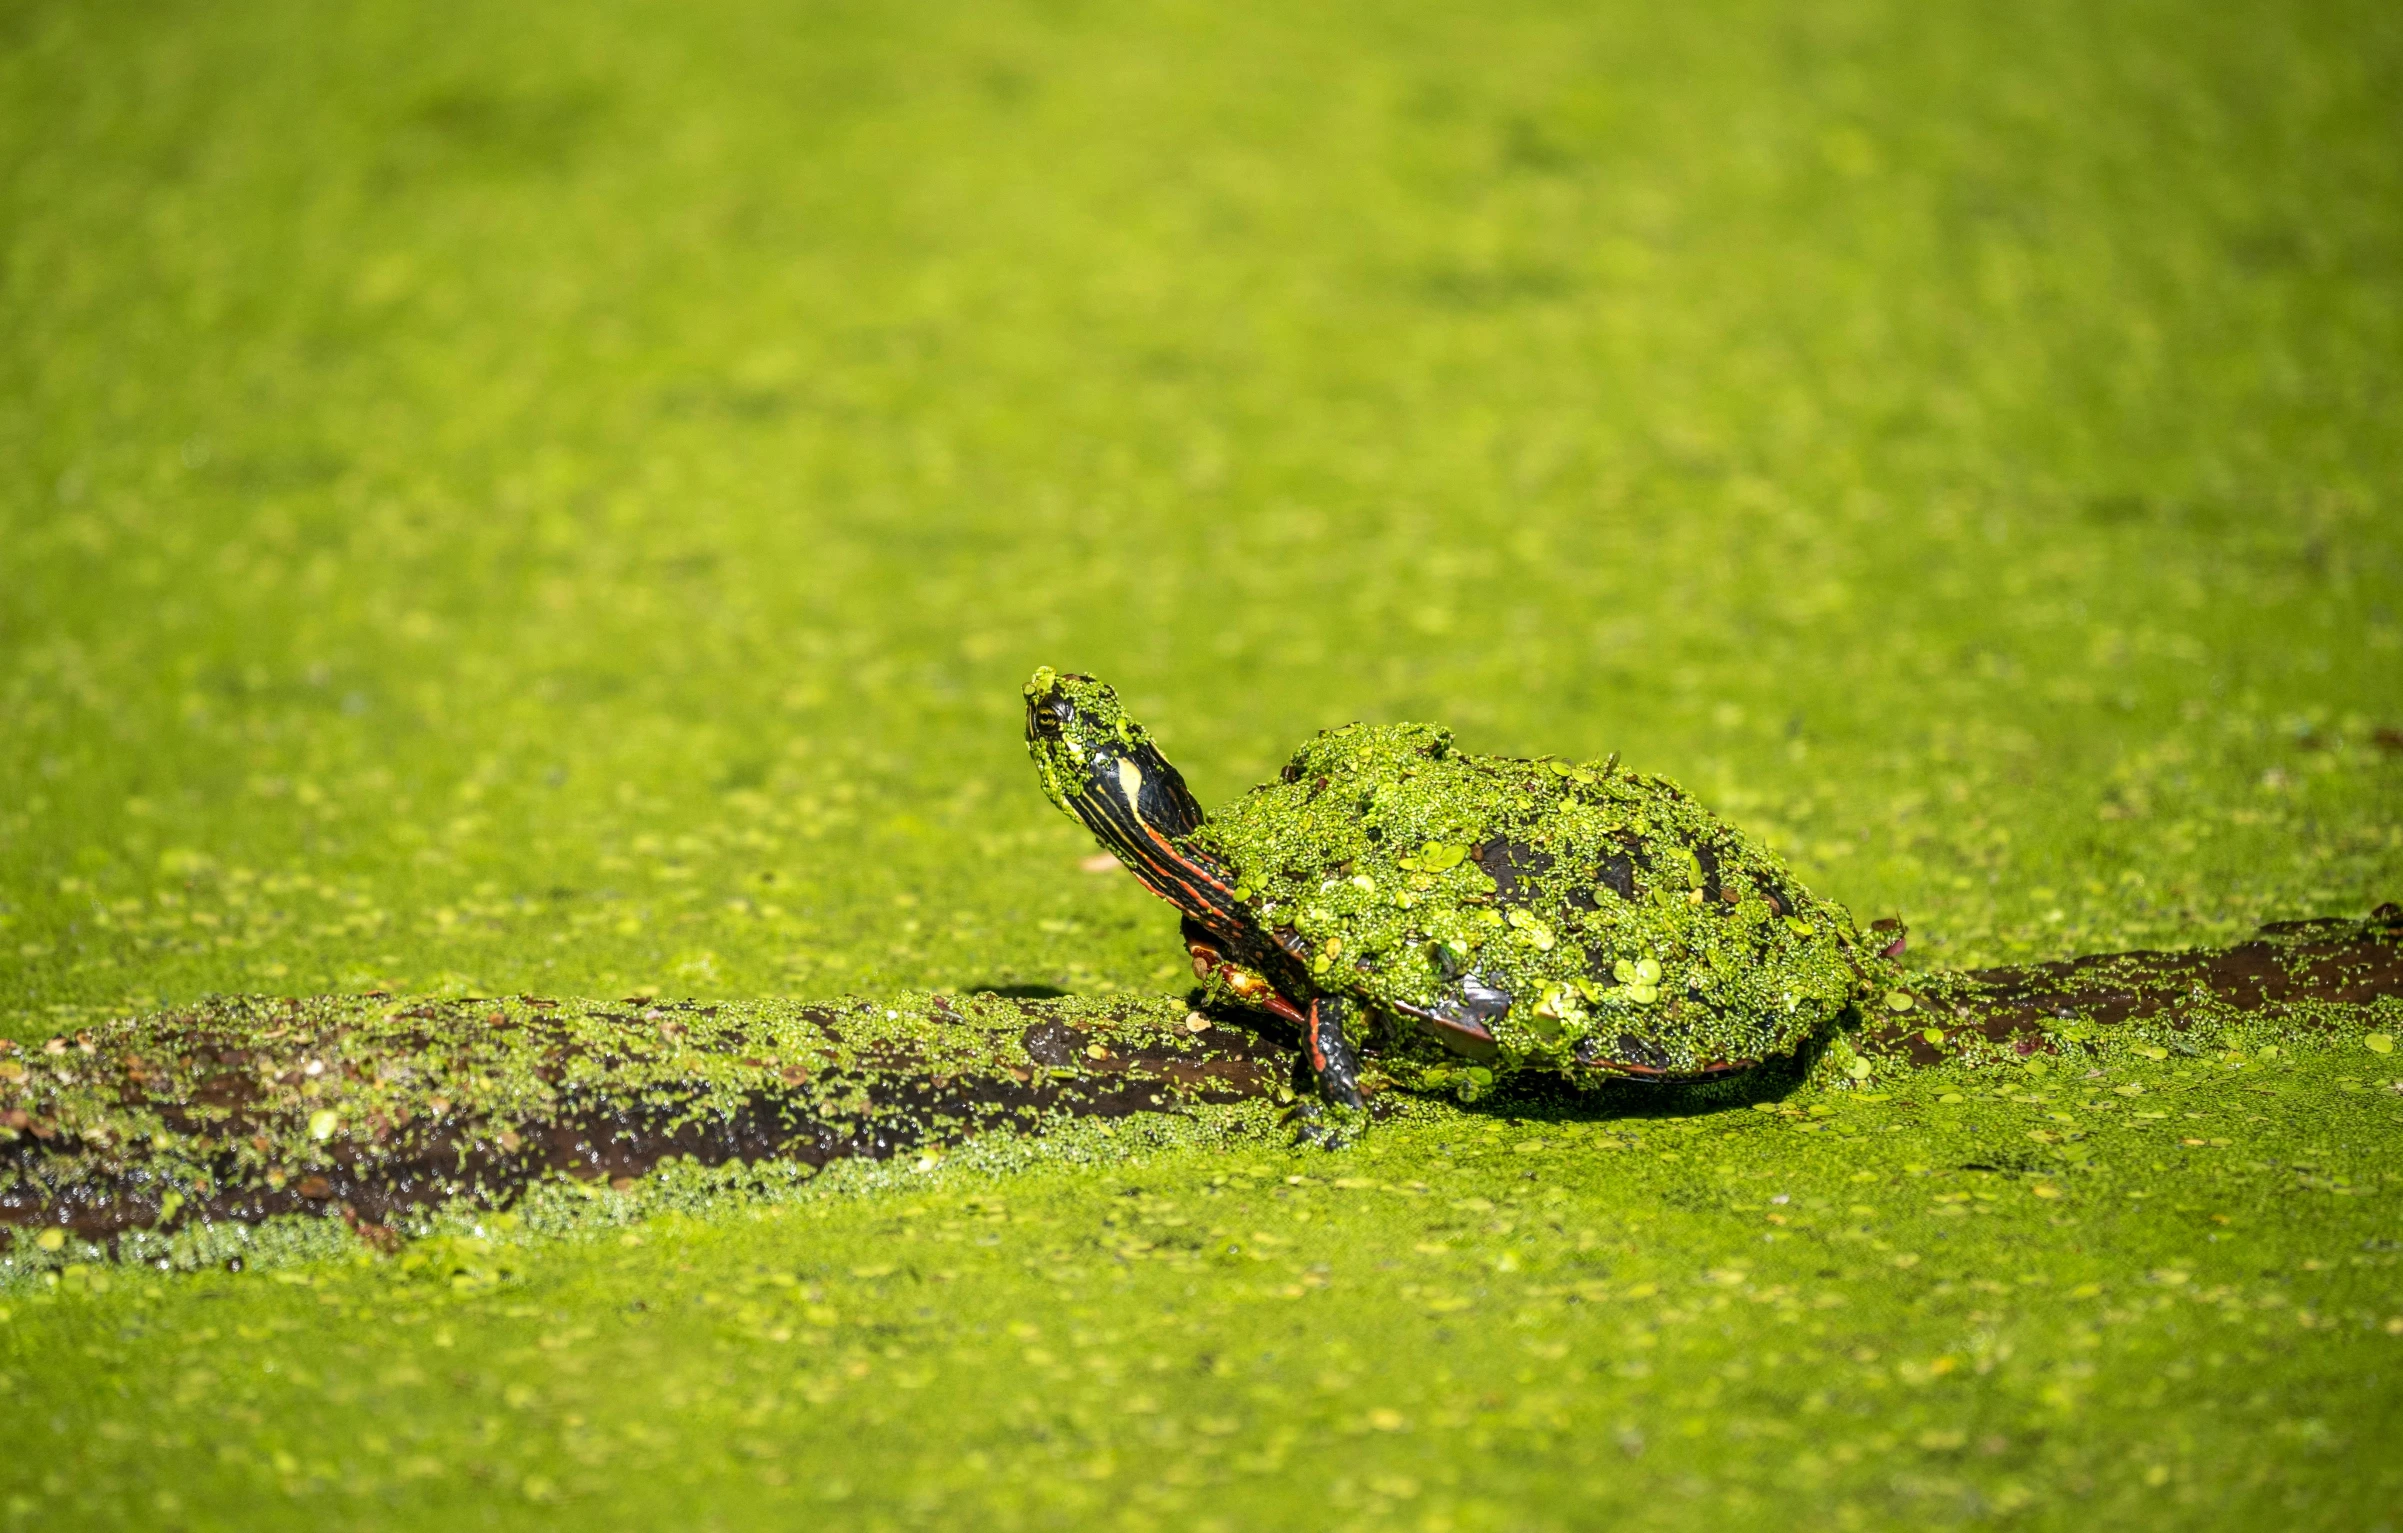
(560, 500)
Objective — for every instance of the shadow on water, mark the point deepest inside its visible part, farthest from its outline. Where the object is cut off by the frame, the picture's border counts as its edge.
(1547, 1097)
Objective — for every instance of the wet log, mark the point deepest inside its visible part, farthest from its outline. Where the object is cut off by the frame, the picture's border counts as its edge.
(244, 1108)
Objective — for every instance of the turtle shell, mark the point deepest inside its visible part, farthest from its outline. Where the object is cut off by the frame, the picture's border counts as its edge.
(1594, 921)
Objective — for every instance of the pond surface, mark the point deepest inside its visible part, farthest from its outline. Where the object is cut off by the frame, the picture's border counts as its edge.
(558, 501)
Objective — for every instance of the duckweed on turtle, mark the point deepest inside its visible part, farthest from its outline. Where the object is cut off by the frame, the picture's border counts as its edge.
(1438, 919)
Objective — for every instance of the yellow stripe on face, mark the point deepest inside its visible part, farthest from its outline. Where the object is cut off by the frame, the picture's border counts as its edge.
(1130, 783)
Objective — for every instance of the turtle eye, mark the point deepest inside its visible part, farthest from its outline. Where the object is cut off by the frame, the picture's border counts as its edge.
(1050, 715)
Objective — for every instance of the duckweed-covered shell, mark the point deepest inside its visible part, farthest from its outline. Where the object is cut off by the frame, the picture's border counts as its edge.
(1594, 921)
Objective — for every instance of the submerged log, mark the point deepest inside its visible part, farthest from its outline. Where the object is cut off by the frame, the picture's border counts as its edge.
(246, 1108)
(2306, 976)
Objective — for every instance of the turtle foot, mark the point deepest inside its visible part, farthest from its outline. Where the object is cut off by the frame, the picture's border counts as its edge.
(1326, 1125)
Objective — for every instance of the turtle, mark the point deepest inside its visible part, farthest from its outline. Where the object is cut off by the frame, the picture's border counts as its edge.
(1438, 920)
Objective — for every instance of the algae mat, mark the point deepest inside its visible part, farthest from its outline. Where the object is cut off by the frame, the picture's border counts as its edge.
(1896, 1307)
(558, 502)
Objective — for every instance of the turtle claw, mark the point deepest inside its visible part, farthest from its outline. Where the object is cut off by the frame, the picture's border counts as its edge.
(1327, 1125)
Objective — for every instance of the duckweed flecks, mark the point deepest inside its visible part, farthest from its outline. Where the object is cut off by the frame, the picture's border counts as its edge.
(1633, 932)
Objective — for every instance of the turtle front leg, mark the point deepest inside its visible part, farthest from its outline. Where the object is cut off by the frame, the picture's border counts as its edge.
(1339, 1113)
(1332, 1060)
(1211, 965)
(1332, 1111)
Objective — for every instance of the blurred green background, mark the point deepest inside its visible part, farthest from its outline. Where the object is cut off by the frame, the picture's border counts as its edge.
(561, 498)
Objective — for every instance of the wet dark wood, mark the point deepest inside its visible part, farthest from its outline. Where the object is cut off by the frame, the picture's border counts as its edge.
(2302, 972)
(895, 1105)
(2311, 975)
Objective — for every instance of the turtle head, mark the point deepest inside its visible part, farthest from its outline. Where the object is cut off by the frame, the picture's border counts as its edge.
(1078, 733)
(1100, 766)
